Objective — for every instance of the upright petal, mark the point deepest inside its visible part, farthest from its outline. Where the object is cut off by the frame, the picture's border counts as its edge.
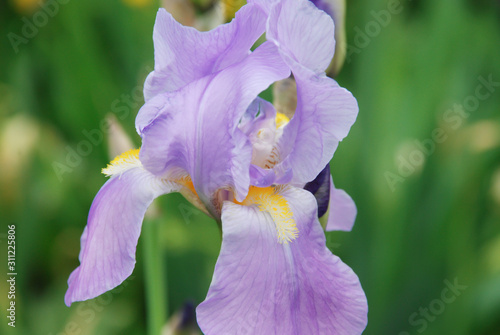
(184, 54)
(304, 33)
(325, 113)
(263, 287)
(109, 241)
(196, 128)
(336, 9)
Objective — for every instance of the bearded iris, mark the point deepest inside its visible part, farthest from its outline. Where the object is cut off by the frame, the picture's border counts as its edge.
(207, 134)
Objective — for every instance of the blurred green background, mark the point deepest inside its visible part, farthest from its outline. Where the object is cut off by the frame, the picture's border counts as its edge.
(427, 218)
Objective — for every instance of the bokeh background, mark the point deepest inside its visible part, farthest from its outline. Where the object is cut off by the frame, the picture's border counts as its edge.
(428, 218)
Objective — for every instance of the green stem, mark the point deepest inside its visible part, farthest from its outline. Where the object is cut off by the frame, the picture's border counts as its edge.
(154, 277)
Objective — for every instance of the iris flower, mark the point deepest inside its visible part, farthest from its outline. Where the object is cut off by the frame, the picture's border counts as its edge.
(207, 134)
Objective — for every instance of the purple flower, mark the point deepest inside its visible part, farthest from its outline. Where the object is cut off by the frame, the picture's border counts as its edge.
(205, 133)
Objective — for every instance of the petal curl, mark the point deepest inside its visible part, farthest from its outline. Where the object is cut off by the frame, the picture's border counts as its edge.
(263, 287)
(109, 241)
(184, 54)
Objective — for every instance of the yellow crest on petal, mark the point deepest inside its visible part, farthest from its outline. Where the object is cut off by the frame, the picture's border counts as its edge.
(122, 163)
(269, 200)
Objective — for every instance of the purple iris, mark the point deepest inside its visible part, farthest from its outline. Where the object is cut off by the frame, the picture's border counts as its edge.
(207, 134)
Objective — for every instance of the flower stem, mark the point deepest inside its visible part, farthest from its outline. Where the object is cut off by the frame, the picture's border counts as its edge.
(154, 277)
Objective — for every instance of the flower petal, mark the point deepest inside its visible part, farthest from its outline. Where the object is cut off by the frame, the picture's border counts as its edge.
(336, 9)
(342, 210)
(304, 34)
(266, 5)
(263, 287)
(259, 125)
(325, 113)
(196, 128)
(184, 54)
(108, 243)
(259, 114)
